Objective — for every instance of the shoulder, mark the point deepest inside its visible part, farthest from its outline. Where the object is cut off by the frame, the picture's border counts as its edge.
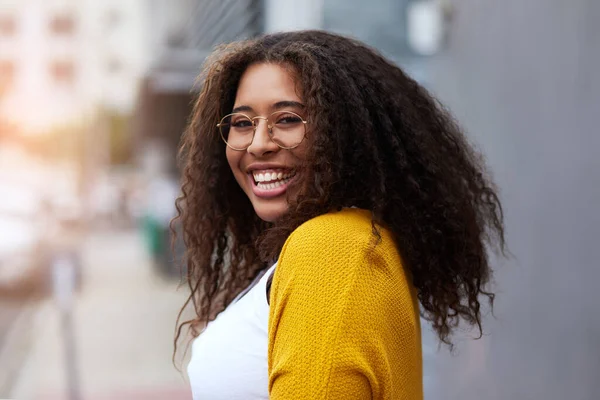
(337, 245)
(336, 267)
(335, 273)
(349, 228)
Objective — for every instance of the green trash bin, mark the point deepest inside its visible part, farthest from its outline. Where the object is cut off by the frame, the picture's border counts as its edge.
(153, 233)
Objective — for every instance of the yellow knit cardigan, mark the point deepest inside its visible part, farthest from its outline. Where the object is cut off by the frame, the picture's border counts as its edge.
(344, 317)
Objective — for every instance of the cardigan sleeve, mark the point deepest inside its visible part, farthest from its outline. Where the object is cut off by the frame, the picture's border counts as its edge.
(344, 321)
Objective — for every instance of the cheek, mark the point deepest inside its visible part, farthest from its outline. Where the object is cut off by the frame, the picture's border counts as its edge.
(300, 152)
(233, 159)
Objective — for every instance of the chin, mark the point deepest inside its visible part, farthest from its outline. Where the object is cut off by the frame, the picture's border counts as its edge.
(270, 212)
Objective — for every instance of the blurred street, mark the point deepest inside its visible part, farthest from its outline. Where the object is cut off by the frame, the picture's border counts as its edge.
(123, 327)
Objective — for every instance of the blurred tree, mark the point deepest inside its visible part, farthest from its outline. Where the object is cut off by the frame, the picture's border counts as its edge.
(119, 132)
(118, 136)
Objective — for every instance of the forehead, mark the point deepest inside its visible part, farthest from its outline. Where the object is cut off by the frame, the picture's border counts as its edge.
(265, 84)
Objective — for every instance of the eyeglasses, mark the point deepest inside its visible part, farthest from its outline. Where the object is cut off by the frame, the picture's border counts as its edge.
(286, 129)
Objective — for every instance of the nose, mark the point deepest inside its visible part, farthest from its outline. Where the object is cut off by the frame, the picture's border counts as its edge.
(261, 142)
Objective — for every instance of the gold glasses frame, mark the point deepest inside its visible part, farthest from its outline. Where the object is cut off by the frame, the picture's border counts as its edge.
(255, 126)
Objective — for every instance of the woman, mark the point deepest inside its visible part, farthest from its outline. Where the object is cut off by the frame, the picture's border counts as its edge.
(326, 196)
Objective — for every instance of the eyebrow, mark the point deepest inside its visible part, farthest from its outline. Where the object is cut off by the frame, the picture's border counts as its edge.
(277, 106)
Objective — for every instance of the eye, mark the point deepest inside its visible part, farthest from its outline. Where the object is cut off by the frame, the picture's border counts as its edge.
(241, 123)
(286, 119)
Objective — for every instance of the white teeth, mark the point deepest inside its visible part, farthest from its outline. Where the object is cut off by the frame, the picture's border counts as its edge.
(271, 176)
(274, 185)
(272, 180)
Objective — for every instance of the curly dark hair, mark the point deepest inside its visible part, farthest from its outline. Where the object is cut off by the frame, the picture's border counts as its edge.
(378, 141)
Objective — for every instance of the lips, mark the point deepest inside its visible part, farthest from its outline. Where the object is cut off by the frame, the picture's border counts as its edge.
(270, 182)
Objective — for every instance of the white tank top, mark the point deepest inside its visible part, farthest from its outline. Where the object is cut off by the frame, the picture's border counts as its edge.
(229, 358)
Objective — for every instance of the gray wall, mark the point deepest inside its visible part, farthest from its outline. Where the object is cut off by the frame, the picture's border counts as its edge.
(523, 77)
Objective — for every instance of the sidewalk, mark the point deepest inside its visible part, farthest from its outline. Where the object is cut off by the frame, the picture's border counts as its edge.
(123, 321)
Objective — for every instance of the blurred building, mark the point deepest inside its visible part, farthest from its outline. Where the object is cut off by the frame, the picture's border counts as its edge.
(380, 23)
(181, 34)
(61, 59)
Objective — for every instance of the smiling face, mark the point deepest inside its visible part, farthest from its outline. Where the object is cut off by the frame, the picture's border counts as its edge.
(264, 171)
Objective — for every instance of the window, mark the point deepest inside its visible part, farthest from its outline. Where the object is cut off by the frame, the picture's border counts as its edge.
(8, 25)
(177, 40)
(114, 65)
(112, 19)
(62, 25)
(63, 72)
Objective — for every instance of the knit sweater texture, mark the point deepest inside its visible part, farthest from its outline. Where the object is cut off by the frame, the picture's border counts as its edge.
(344, 316)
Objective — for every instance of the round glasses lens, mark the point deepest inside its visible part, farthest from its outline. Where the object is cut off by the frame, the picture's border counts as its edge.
(288, 128)
(237, 130)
